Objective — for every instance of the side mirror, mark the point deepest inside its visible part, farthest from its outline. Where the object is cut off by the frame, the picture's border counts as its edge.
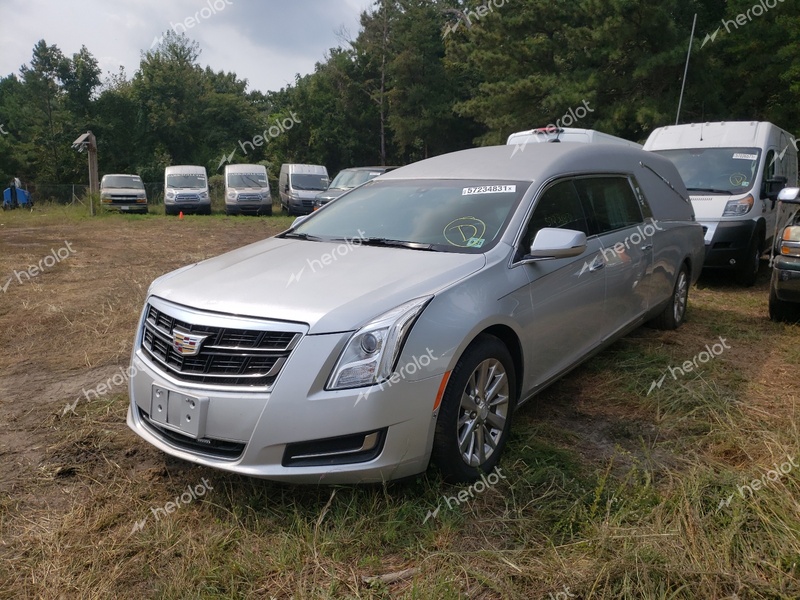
(789, 195)
(774, 186)
(557, 243)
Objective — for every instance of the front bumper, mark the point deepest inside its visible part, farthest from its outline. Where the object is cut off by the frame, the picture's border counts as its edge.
(301, 205)
(125, 206)
(249, 432)
(235, 208)
(786, 278)
(728, 241)
(190, 205)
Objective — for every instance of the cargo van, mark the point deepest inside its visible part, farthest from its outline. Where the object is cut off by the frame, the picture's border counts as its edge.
(299, 185)
(186, 190)
(566, 134)
(247, 190)
(734, 172)
(124, 193)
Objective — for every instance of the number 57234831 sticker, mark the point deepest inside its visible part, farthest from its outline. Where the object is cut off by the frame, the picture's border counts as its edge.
(489, 189)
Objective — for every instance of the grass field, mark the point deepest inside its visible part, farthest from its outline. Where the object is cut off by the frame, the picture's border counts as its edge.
(609, 490)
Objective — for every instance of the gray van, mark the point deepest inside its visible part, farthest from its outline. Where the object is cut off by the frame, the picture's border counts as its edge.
(299, 185)
(247, 190)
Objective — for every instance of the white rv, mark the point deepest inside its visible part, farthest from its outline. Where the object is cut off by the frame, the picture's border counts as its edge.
(247, 190)
(186, 190)
(566, 134)
(299, 185)
(734, 172)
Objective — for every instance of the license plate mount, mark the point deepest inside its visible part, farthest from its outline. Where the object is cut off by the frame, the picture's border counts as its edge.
(180, 412)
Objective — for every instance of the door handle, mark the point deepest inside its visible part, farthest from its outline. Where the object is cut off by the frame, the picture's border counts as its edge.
(647, 247)
(597, 264)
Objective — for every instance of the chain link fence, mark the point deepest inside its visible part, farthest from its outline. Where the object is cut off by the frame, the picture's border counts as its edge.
(69, 193)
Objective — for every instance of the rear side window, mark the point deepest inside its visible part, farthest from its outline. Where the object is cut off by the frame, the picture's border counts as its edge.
(610, 203)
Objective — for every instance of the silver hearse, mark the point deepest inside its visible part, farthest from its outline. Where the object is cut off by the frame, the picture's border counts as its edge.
(404, 323)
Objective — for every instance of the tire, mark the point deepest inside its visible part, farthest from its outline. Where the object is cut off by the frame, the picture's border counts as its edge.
(747, 272)
(782, 311)
(460, 417)
(674, 313)
(169, 211)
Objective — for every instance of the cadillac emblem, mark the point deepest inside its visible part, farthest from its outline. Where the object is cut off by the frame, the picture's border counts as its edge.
(186, 344)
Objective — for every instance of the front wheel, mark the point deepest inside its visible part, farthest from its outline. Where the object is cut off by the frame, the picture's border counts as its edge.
(747, 273)
(475, 415)
(674, 313)
(781, 311)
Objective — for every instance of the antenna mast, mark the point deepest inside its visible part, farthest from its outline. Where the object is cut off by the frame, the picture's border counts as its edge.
(686, 70)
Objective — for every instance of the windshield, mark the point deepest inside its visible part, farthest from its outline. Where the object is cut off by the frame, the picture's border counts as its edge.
(722, 170)
(247, 180)
(186, 180)
(122, 181)
(309, 182)
(446, 215)
(348, 179)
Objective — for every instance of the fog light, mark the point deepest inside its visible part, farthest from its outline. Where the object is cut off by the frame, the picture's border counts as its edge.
(733, 261)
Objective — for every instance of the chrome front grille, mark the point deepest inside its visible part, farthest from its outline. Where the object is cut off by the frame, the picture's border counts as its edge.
(249, 198)
(187, 197)
(228, 356)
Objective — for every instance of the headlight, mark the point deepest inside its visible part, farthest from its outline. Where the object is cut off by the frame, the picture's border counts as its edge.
(231, 195)
(170, 194)
(372, 351)
(790, 244)
(737, 208)
(203, 195)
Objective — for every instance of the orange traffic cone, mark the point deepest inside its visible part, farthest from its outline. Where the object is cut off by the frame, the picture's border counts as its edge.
(180, 215)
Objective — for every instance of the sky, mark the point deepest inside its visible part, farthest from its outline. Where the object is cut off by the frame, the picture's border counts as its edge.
(266, 42)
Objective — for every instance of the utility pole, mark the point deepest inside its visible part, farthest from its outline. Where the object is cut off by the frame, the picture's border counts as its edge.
(88, 142)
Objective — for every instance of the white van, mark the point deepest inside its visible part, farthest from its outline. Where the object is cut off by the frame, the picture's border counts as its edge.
(247, 190)
(566, 134)
(186, 190)
(733, 171)
(299, 185)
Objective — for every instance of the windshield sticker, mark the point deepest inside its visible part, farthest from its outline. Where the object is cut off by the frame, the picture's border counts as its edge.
(489, 189)
(465, 232)
(738, 179)
(740, 156)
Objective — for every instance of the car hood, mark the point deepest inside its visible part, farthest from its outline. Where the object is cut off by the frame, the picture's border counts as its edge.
(332, 193)
(330, 286)
(192, 190)
(121, 190)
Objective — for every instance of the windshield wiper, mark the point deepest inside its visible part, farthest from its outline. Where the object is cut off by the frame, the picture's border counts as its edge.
(710, 190)
(375, 241)
(302, 236)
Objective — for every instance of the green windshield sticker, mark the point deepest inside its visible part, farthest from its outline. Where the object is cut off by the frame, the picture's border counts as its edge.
(460, 232)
